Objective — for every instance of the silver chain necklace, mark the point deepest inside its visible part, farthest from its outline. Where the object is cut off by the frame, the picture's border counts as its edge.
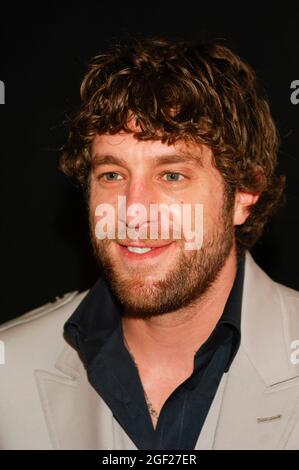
(152, 411)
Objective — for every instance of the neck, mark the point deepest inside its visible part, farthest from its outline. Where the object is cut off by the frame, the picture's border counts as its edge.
(175, 336)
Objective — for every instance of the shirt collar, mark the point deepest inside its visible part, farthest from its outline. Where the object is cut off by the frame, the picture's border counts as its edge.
(99, 314)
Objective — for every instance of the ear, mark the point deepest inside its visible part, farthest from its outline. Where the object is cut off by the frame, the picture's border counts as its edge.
(243, 202)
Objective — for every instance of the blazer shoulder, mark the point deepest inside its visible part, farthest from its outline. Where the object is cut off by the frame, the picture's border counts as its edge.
(289, 302)
(260, 277)
(287, 292)
(47, 313)
(35, 339)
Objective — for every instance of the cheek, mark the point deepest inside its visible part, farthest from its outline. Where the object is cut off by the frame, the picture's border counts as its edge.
(93, 199)
(212, 211)
(97, 198)
(92, 211)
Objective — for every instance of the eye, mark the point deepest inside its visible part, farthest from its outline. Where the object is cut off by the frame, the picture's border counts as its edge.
(174, 176)
(108, 174)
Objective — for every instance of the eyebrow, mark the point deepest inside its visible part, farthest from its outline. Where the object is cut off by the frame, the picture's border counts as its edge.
(98, 160)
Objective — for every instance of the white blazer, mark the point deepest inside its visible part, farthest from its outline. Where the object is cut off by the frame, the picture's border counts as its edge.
(46, 401)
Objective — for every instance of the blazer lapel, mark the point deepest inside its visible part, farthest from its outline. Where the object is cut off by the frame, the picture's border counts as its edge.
(259, 406)
(76, 416)
(207, 434)
(255, 415)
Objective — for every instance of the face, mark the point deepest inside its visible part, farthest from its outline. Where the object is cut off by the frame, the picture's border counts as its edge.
(170, 277)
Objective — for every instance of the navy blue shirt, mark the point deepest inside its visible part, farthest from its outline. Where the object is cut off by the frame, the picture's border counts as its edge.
(95, 331)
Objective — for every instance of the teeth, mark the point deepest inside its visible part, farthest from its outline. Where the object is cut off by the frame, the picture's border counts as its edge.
(136, 249)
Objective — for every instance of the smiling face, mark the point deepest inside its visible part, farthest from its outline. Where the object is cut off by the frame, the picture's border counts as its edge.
(149, 172)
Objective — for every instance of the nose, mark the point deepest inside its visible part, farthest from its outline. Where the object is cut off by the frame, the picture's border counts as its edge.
(139, 196)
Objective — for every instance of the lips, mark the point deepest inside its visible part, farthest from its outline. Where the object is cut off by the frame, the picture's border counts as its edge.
(154, 252)
(144, 245)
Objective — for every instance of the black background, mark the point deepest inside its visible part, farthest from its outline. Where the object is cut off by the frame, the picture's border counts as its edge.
(43, 56)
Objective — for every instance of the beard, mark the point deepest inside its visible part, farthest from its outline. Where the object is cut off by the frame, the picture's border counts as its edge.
(183, 285)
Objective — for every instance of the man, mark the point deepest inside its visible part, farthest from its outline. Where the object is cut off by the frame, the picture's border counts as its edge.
(173, 348)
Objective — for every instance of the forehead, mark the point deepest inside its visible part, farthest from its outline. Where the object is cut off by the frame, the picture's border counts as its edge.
(124, 145)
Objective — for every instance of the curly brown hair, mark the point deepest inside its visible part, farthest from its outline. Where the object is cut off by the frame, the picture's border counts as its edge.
(196, 91)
